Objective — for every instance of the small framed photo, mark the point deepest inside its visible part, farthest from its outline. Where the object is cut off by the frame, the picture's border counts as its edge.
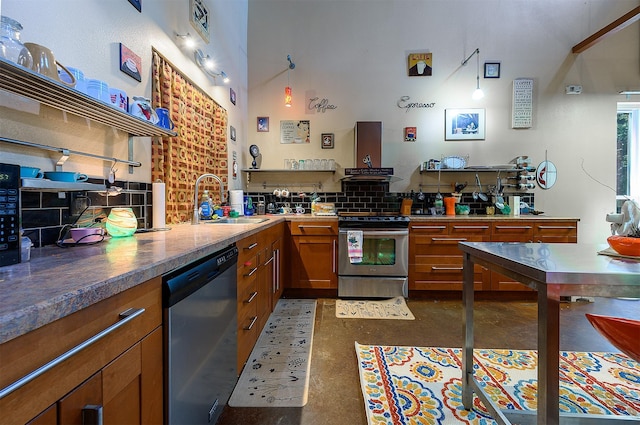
(410, 134)
(232, 95)
(464, 124)
(263, 124)
(232, 133)
(327, 140)
(130, 63)
(492, 70)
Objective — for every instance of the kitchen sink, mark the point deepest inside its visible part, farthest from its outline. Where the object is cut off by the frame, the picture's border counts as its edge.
(237, 220)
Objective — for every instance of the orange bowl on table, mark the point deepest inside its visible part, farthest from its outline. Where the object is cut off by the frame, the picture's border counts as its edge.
(624, 334)
(625, 245)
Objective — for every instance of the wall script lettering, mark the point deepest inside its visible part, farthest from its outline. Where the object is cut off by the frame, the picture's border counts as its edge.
(404, 103)
(320, 106)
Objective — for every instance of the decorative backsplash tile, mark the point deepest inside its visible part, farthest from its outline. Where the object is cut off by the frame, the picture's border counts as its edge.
(45, 214)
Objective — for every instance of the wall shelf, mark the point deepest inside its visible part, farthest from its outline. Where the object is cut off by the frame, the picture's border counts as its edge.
(250, 171)
(45, 185)
(25, 82)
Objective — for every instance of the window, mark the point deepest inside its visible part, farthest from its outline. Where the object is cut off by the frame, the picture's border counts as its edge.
(628, 152)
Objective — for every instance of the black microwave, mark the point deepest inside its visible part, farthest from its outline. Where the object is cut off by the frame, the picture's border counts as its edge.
(9, 214)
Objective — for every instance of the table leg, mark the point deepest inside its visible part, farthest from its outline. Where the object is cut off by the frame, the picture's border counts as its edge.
(548, 355)
(467, 323)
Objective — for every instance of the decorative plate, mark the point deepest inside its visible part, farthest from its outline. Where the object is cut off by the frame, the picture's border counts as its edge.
(455, 162)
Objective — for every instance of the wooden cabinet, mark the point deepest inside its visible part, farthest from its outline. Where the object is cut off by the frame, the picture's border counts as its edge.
(249, 295)
(259, 285)
(547, 231)
(435, 262)
(120, 373)
(313, 254)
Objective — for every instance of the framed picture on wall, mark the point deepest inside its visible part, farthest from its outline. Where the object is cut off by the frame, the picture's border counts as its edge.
(130, 63)
(464, 124)
(199, 18)
(232, 95)
(492, 70)
(327, 140)
(232, 132)
(263, 124)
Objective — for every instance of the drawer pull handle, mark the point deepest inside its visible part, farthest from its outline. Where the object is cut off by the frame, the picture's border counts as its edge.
(471, 227)
(557, 227)
(125, 317)
(429, 227)
(302, 227)
(92, 414)
(449, 239)
(253, 322)
(514, 227)
(253, 245)
(251, 297)
(434, 268)
(251, 272)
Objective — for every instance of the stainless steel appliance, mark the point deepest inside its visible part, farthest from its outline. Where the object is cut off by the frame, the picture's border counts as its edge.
(383, 271)
(200, 338)
(9, 214)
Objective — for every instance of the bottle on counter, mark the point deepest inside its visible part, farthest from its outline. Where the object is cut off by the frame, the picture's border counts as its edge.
(206, 206)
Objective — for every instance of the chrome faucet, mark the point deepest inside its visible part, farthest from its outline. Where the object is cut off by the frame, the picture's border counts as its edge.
(196, 216)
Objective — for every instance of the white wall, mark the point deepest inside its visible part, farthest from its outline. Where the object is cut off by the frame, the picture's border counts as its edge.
(354, 53)
(86, 34)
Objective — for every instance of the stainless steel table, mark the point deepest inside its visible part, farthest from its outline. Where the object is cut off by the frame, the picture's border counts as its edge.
(554, 270)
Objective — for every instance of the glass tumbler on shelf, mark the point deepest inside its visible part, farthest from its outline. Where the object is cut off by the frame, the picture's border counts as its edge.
(287, 164)
(332, 164)
(308, 164)
(12, 47)
(324, 164)
(301, 164)
(316, 164)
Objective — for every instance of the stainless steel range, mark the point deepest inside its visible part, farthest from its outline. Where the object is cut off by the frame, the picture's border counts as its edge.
(373, 256)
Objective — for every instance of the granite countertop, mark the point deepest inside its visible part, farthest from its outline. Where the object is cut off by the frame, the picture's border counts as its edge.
(57, 282)
(60, 281)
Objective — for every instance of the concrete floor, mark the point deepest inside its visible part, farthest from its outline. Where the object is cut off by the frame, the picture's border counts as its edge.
(334, 391)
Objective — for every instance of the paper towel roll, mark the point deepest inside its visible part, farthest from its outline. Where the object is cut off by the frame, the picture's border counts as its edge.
(159, 205)
(236, 201)
(514, 203)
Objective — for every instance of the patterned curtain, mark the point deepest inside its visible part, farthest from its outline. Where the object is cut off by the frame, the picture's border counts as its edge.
(200, 146)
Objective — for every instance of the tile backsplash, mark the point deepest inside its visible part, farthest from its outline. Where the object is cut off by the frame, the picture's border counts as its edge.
(46, 215)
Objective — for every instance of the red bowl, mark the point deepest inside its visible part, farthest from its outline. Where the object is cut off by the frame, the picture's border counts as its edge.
(624, 334)
(625, 245)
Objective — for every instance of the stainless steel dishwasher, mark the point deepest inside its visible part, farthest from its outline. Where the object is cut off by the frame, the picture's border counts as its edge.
(200, 338)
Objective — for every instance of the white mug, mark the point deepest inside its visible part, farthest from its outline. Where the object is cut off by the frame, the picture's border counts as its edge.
(277, 192)
(285, 193)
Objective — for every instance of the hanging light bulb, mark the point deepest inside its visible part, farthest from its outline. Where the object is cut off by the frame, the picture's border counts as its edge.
(287, 90)
(478, 93)
(287, 97)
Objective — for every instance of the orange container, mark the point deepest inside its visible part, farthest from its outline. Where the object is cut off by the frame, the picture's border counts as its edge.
(450, 206)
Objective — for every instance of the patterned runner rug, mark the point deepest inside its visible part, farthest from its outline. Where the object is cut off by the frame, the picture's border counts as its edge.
(422, 385)
(277, 372)
(394, 308)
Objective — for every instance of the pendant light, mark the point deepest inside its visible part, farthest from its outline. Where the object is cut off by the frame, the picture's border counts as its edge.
(287, 90)
(478, 93)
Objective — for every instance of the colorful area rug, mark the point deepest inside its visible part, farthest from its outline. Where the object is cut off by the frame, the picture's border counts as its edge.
(422, 385)
(394, 308)
(277, 372)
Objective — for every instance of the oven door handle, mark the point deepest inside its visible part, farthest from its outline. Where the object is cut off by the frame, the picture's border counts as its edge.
(383, 232)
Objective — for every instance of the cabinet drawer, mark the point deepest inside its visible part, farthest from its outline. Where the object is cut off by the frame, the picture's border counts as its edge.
(440, 245)
(566, 231)
(307, 228)
(470, 228)
(512, 232)
(247, 248)
(428, 228)
(20, 356)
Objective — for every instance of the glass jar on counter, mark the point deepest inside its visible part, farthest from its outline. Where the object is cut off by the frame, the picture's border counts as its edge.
(11, 47)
